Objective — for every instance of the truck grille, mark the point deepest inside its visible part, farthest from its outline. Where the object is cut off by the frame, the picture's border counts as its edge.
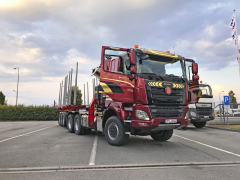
(166, 111)
(204, 111)
(163, 105)
(158, 96)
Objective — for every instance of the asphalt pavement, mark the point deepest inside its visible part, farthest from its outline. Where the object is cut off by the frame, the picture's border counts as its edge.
(44, 150)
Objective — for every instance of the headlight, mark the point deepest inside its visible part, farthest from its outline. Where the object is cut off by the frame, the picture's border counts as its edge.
(193, 113)
(142, 115)
(187, 115)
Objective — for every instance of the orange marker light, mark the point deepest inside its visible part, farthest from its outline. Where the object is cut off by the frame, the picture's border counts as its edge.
(167, 51)
(201, 82)
(135, 46)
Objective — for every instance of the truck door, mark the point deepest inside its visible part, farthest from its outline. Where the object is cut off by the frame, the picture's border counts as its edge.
(115, 73)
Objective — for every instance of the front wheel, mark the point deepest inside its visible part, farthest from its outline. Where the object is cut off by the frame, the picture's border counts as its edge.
(114, 131)
(162, 135)
(199, 124)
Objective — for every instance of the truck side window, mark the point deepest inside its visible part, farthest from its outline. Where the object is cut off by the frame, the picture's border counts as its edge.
(114, 61)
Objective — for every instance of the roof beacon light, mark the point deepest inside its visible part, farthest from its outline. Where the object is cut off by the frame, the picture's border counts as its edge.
(201, 82)
(135, 46)
(167, 51)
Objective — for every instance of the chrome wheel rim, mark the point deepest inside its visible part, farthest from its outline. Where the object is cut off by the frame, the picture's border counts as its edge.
(113, 131)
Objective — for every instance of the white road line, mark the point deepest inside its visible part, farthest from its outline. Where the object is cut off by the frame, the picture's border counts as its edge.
(208, 146)
(26, 133)
(94, 150)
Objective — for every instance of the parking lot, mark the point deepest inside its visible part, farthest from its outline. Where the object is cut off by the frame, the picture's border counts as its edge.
(44, 150)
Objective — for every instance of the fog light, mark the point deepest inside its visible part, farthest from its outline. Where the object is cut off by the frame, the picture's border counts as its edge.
(143, 124)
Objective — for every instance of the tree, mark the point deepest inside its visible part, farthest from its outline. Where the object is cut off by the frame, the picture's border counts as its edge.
(79, 96)
(233, 100)
(2, 98)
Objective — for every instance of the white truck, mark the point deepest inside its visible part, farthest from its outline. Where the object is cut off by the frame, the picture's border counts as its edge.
(202, 111)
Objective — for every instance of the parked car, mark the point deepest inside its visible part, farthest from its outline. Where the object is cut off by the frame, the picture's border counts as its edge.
(236, 114)
(226, 114)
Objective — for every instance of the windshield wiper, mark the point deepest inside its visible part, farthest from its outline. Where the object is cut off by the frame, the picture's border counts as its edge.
(160, 77)
(156, 75)
(177, 77)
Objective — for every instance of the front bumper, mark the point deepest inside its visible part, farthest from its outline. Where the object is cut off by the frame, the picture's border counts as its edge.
(156, 124)
(200, 118)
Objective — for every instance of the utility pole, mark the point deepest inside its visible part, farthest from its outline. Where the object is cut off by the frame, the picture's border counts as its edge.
(17, 86)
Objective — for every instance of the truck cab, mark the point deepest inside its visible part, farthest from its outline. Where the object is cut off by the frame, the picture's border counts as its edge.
(141, 92)
(203, 111)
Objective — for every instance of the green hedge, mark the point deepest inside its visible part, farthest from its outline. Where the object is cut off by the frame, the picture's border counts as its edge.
(24, 113)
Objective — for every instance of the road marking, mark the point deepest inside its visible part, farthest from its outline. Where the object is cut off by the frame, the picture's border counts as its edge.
(208, 146)
(94, 151)
(26, 134)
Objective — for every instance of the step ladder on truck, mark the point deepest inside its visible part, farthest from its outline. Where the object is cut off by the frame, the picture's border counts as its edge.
(140, 92)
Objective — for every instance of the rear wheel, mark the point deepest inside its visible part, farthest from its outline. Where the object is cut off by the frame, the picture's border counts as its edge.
(199, 124)
(162, 135)
(64, 117)
(70, 123)
(114, 131)
(79, 130)
(60, 119)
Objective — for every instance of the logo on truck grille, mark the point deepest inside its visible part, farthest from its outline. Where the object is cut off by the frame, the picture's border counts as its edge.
(168, 90)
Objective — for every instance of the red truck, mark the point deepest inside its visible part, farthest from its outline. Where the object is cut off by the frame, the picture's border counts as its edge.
(140, 92)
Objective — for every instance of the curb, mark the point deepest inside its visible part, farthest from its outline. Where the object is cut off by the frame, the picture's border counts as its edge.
(107, 167)
(234, 130)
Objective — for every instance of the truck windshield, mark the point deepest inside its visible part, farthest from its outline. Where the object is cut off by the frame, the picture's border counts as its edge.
(206, 91)
(171, 67)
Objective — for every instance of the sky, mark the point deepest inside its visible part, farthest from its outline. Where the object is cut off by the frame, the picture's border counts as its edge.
(45, 39)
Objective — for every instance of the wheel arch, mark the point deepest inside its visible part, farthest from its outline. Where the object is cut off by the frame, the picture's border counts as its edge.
(108, 113)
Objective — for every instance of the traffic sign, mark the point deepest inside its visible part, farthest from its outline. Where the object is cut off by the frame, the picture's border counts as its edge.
(226, 100)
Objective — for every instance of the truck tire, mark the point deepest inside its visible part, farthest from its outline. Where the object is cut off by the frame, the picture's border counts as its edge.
(162, 135)
(70, 123)
(199, 124)
(60, 119)
(61, 122)
(64, 119)
(79, 130)
(114, 131)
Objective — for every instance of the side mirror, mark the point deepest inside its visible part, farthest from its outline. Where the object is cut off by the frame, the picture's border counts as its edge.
(132, 58)
(133, 70)
(194, 68)
(127, 64)
(195, 77)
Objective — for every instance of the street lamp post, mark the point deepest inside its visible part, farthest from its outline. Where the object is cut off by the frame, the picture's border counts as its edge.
(220, 106)
(17, 85)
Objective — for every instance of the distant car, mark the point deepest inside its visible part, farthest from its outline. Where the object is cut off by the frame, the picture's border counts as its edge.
(224, 114)
(236, 114)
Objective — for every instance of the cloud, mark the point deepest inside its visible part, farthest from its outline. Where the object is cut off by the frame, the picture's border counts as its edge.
(46, 38)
